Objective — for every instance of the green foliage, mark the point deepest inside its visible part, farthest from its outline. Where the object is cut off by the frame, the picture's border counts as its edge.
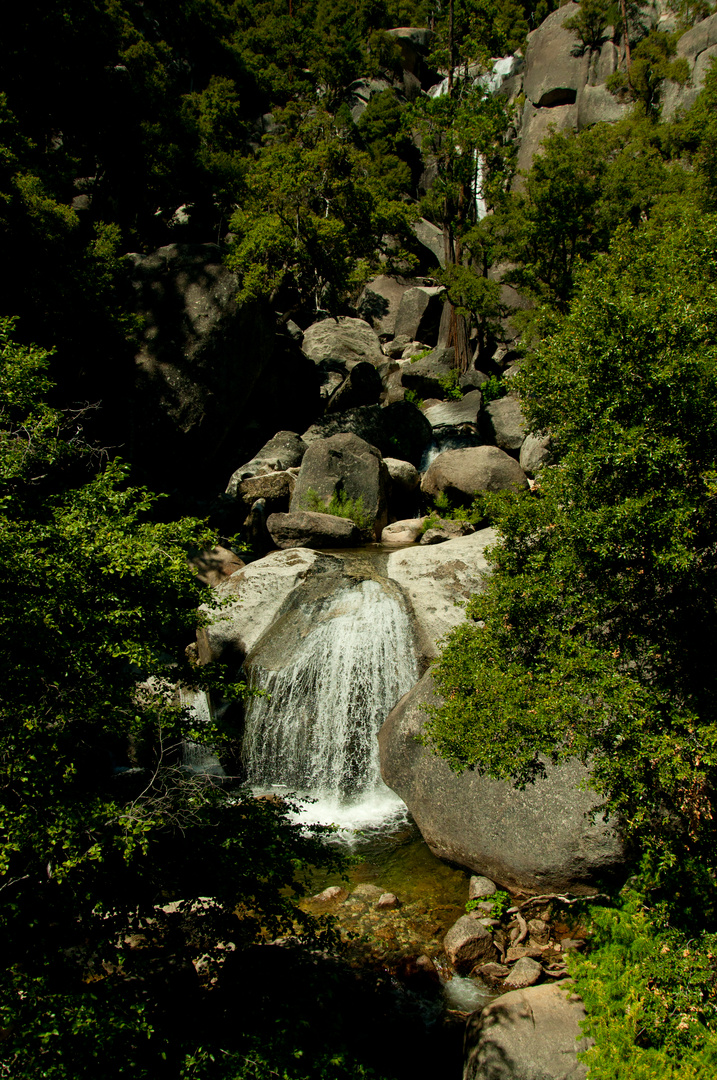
(696, 134)
(481, 29)
(101, 824)
(689, 12)
(450, 385)
(595, 631)
(577, 193)
(340, 505)
(650, 994)
(652, 62)
(493, 389)
(311, 214)
(500, 900)
(393, 157)
(475, 514)
(590, 23)
(412, 397)
(453, 130)
(475, 296)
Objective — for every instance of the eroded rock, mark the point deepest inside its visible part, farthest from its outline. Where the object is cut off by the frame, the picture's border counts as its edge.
(344, 465)
(342, 339)
(253, 598)
(436, 580)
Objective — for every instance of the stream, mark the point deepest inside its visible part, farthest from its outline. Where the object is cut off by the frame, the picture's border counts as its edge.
(327, 674)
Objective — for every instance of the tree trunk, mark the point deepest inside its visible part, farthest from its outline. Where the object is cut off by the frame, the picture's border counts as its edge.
(626, 31)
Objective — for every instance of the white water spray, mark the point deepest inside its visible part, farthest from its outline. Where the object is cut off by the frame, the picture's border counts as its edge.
(316, 731)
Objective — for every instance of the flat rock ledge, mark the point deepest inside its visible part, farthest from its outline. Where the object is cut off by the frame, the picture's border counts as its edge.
(306, 529)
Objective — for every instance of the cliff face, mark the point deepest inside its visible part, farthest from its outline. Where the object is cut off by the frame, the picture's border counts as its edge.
(564, 85)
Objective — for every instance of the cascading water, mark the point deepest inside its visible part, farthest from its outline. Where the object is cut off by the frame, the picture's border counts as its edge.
(315, 729)
(196, 757)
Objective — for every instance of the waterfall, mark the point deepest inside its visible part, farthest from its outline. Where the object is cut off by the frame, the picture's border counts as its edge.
(196, 757)
(315, 728)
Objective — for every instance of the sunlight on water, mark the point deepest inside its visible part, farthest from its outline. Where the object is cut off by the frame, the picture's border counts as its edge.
(315, 731)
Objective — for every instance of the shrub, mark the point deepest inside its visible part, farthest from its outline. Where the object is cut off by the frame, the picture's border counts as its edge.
(340, 505)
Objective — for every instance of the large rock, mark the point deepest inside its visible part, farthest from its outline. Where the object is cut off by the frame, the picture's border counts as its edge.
(531, 1034)
(536, 125)
(460, 474)
(419, 314)
(424, 376)
(360, 93)
(505, 422)
(249, 602)
(436, 580)
(380, 302)
(445, 530)
(456, 413)
(344, 465)
(198, 373)
(467, 943)
(284, 451)
(213, 380)
(362, 386)
(276, 488)
(400, 430)
(303, 529)
(407, 433)
(331, 375)
(216, 565)
(534, 453)
(698, 46)
(415, 44)
(431, 238)
(538, 840)
(403, 532)
(403, 489)
(553, 72)
(597, 105)
(405, 477)
(342, 339)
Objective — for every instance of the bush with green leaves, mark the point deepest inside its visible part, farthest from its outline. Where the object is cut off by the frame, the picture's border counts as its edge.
(650, 992)
(596, 631)
(499, 900)
(590, 23)
(102, 826)
(450, 385)
(653, 61)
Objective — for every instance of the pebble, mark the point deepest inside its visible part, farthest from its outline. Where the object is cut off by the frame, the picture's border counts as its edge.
(539, 931)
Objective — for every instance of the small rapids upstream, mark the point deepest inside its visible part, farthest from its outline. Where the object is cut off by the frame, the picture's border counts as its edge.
(313, 729)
